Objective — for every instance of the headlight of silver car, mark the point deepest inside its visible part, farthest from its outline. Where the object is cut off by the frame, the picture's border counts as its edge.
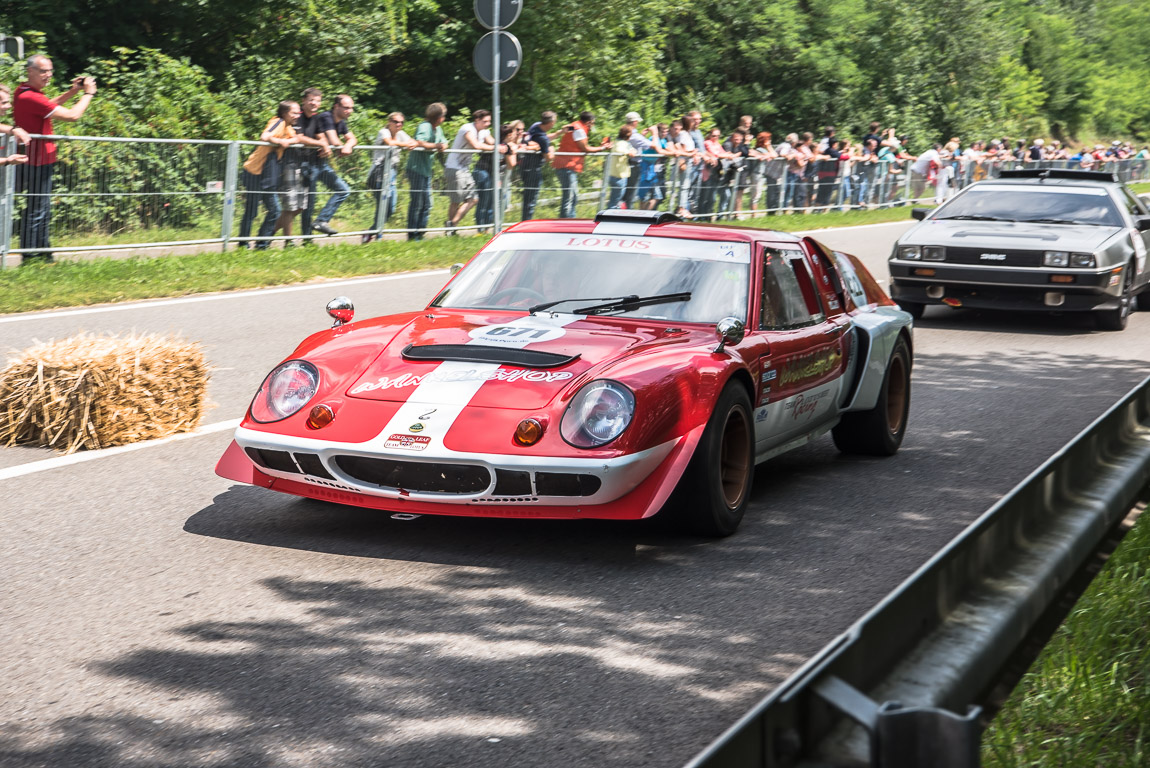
(1056, 259)
(912, 252)
(1082, 260)
(598, 414)
(933, 253)
(287, 388)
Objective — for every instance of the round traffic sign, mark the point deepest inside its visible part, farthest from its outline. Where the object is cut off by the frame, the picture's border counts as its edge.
(509, 11)
(510, 57)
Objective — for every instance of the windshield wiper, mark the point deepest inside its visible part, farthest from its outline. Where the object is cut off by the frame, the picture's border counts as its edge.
(629, 303)
(549, 304)
(1048, 221)
(971, 217)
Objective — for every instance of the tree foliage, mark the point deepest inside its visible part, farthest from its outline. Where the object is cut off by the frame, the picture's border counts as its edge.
(1074, 68)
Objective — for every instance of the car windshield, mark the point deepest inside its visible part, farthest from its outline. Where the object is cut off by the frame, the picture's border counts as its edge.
(1047, 205)
(579, 271)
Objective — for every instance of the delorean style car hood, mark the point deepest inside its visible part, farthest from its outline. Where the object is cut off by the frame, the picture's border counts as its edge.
(1009, 235)
(503, 361)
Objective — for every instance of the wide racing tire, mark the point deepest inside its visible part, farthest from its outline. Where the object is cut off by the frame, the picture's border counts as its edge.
(879, 431)
(1116, 319)
(713, 493)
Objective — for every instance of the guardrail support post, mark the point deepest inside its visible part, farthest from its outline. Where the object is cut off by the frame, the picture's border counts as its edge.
(908, 737)
(7, 203)
(230, 178)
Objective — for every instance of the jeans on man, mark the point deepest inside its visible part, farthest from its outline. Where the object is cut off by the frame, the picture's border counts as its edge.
(387, 196)
(629, 196)
(618, 188)
(569, 181)
(36, 182)
(532, 181)
(419, 209)
(485, 207)
(256, 195)
(315, 172)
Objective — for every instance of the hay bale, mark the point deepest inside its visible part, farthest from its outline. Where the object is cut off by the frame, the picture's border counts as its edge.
(97, 391)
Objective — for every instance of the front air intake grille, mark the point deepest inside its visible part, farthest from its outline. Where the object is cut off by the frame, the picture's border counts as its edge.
(277, 460)
(311, 465)
(992, 257)
(510, 482)
(563, 484)
(426, 477)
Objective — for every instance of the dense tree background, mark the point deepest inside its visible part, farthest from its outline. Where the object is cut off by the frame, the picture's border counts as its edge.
(1075, 69)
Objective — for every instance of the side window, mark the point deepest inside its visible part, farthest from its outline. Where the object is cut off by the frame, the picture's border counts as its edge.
(789, 299)
(1133, 204)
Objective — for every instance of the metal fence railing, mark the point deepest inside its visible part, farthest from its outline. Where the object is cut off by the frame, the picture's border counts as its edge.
(130, 193)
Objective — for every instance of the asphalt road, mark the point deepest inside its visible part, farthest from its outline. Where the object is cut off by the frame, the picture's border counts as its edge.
(153, 614)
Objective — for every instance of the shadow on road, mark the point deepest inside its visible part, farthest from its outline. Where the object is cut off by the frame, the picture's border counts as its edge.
(522, 643)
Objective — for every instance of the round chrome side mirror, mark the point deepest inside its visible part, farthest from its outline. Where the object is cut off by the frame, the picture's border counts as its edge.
(730, 330)
(456, 267)
(341, 309)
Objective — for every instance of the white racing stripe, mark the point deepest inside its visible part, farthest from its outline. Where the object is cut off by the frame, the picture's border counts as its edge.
(81, 457)
(442, 395)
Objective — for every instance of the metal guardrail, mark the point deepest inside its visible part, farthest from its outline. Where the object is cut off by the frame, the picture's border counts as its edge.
(116, 193)
(902, 686)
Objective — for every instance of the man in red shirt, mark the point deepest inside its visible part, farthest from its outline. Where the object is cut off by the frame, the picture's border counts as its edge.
(34, 112)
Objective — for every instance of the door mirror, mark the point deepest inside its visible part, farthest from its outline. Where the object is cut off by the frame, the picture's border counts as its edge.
(918, 214)
(730, 330)
(1142, 223)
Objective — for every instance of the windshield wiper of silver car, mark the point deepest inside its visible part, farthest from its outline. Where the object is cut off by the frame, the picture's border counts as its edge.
(629, 303)
(1048, 221)
(971, 217)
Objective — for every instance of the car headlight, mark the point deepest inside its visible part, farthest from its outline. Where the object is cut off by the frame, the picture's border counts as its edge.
(1055, 259)
(598, 414)
(1082, 260)
(912, 252)
(933, 253)
(287, 388)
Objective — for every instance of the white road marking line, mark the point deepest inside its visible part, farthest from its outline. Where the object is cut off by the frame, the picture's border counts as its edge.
(856, 226)
(149, 303)
(81, 457)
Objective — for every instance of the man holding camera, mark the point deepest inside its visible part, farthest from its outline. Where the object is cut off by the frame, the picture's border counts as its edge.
(33, 112)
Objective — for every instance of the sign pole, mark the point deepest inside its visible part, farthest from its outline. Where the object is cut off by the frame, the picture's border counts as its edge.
(497, 200)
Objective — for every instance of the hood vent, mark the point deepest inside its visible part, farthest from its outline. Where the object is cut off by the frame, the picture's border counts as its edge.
(475, 353)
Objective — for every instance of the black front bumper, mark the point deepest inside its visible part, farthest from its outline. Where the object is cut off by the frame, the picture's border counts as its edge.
(1023, 289)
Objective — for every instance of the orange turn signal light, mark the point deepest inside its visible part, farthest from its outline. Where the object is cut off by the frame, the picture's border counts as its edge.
(924, 272)
(320, 417)
(529, 432)
(1062, 278)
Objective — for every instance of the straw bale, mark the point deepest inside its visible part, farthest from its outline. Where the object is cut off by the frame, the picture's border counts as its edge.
(96, 391)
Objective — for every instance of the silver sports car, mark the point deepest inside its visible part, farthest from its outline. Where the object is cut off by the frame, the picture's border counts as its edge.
(1054, 240)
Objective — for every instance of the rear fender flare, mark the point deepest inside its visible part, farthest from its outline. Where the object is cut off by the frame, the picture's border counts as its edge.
(879, 332)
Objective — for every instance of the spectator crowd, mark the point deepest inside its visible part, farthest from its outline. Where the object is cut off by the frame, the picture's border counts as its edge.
(708, 174)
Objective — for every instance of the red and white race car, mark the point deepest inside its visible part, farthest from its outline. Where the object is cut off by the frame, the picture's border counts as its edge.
(589, 369)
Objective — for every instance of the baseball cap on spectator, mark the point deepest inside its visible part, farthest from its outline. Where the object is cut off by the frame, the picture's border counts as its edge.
(632, 117)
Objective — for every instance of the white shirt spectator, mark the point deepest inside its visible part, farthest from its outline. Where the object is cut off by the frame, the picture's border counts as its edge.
(461, 161)
(921, 166)
(384, 136)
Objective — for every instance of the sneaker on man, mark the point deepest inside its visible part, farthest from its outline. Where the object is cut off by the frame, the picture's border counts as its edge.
(324, 227)
(447, 225)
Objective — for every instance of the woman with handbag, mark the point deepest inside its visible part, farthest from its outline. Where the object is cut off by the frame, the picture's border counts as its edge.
(262, 174)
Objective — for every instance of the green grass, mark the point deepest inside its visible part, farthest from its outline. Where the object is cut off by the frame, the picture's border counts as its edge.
(99, 281)
(1086, 700)
(104, 280)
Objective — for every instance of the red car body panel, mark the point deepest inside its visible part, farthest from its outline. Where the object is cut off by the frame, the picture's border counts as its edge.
(673, 370)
